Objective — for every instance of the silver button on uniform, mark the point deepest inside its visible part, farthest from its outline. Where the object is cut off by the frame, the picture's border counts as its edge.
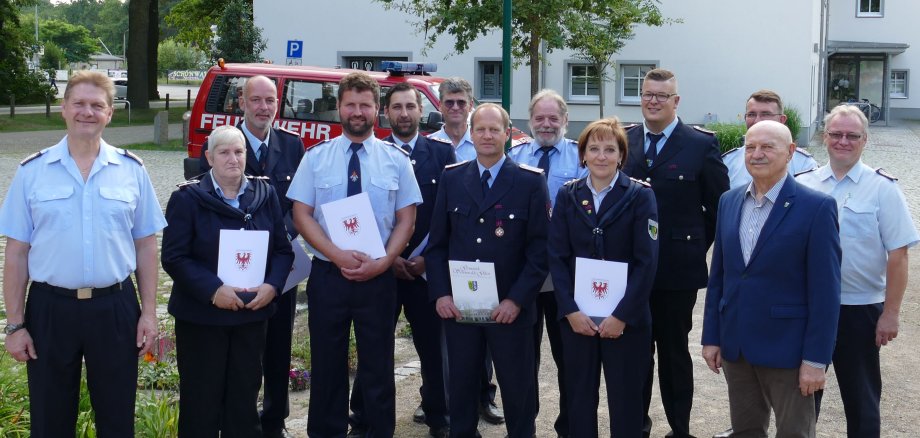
(479, 239)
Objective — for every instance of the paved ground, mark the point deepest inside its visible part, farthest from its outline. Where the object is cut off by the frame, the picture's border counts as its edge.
(893, 147)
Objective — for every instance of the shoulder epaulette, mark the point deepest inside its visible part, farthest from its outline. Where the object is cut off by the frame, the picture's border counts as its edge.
(704, 130)
(803, 152)
(439, 140)
(257, 177)
(571, 181)
(882, 172)
(186, 183)
(640, 182)
(309, 148)
(730, 151)
(131, 155)
(631, 126)
(288, 131)
(446, 140)
(806, 171)
(536, 170)
(404, 152)
(455, 165)
(521, 141)
(31, 157)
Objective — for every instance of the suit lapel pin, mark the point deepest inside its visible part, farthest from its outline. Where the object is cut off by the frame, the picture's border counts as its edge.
(786, 205)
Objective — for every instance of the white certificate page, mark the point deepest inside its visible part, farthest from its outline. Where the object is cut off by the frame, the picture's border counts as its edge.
(599, 286)
(474, 289)
(242, 257)
(351, 225)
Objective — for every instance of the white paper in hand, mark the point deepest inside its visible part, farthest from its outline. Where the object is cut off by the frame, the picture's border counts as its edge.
(474, 289)
(599, 286)
(352, 226)
(241, 257)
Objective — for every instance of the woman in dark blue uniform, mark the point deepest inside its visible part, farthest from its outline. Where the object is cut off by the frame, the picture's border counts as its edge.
(605, 216)
(220, 330)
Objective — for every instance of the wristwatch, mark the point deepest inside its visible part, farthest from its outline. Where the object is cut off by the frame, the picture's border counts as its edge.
(13, 328)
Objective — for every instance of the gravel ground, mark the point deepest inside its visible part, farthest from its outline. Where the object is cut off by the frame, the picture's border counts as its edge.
(893, 148)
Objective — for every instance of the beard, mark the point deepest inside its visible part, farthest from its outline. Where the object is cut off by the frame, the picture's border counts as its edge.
(541, 140)
(404, 132)
(357, 127)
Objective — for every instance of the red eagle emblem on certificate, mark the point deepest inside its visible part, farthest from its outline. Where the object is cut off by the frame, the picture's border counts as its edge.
(351, 225)
(599, 288)
(242, 260)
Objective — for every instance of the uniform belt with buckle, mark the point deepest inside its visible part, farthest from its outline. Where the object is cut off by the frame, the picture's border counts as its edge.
(83, 293)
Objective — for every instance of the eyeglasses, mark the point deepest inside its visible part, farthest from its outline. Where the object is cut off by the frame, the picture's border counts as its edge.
(753, 116)
(460, 103)
(659, 97)
(837, 136)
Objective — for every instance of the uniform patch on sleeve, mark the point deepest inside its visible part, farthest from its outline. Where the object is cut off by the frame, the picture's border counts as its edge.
(653, 229)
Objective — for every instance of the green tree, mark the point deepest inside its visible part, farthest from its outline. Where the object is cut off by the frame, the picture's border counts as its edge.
(112, 25)
(238, 38)
(534, 22)
(74, 40)
(192, 20)
(600, 31)
(53, 58)
(177, 56)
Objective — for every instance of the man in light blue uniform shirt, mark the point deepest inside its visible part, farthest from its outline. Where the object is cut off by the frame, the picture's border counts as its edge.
(558, 157)
(456, 97)
(876, 231)
(348, 286)
(79, 218)
(763, 105)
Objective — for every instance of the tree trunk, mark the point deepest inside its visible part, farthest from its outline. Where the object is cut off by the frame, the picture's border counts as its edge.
(601, 85)
(153, 40)
(138, 23)
(534, 53)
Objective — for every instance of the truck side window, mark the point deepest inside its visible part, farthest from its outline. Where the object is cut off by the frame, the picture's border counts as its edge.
(300, 98)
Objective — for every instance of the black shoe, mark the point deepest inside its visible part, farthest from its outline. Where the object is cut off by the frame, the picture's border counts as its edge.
(671, 433)
(441, 432)
(419, 415)
(356, 432)
(277, 433)
(726, 434)
(491, 413)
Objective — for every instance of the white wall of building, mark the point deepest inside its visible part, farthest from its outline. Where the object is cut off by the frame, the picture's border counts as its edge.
(721, 51)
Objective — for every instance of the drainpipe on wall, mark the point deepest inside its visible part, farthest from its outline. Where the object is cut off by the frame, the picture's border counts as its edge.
(822, 63)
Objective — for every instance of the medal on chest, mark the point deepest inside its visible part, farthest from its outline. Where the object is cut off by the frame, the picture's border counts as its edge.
(499, 230)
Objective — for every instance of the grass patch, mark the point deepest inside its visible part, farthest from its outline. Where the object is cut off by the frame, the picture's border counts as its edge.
(171, 145)
(38, 122)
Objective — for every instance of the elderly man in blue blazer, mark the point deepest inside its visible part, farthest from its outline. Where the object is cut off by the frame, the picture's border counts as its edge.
(774, 291)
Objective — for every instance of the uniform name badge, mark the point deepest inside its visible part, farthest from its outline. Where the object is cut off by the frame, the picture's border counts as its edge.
(241, 257)
(599, 286)
(474, 289)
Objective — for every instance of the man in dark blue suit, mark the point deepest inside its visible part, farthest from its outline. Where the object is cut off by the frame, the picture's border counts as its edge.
(774, 291)
(491, 210)
(273, 153)
(428, 157)
(684, 167)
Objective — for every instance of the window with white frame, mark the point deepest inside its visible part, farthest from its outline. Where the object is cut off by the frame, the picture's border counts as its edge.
(584, 83)
(869, 8)
(629, 85)
(490, 80)
(898, 84)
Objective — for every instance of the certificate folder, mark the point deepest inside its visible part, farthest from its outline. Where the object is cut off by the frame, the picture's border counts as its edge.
(241, 257)
(351, 225)
(474, 290)
(599, 286)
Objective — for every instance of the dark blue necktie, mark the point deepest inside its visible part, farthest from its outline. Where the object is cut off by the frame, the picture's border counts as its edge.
(263, 155)
(354, 170)
(652, 153)
(407, 148)
(485, 181)
(544, 160)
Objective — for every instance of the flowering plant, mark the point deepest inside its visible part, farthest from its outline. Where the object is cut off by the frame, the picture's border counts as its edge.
(299, 379)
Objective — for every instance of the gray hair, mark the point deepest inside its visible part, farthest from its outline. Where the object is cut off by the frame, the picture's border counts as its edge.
(225, 134)
(546, 93)
(455, 85)
(848, 111)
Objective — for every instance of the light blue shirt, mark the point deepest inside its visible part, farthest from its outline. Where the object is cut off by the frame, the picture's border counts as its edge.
(254, 142)
(563, 163)
(599, 196)
(754, 214)
(493, 171)
(386, 177)
(874, 219)
(465, 150)
(81, 233)
(668, 130)
(738, 174)
(233, 202)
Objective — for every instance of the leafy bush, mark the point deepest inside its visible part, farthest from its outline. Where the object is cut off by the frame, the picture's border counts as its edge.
(793, 121)
(728, 134)
(14, 393)
(156, 414)
(28, 88)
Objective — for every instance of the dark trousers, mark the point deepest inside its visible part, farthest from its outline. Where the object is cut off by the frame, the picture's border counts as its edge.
(220, 373)
(672, 319)
(335, 302)
(753, 391)
(858, 369)
(412, 297)
(547, 308)
(512, 353)
(276, 363)
(66, 332)
(625, 362)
